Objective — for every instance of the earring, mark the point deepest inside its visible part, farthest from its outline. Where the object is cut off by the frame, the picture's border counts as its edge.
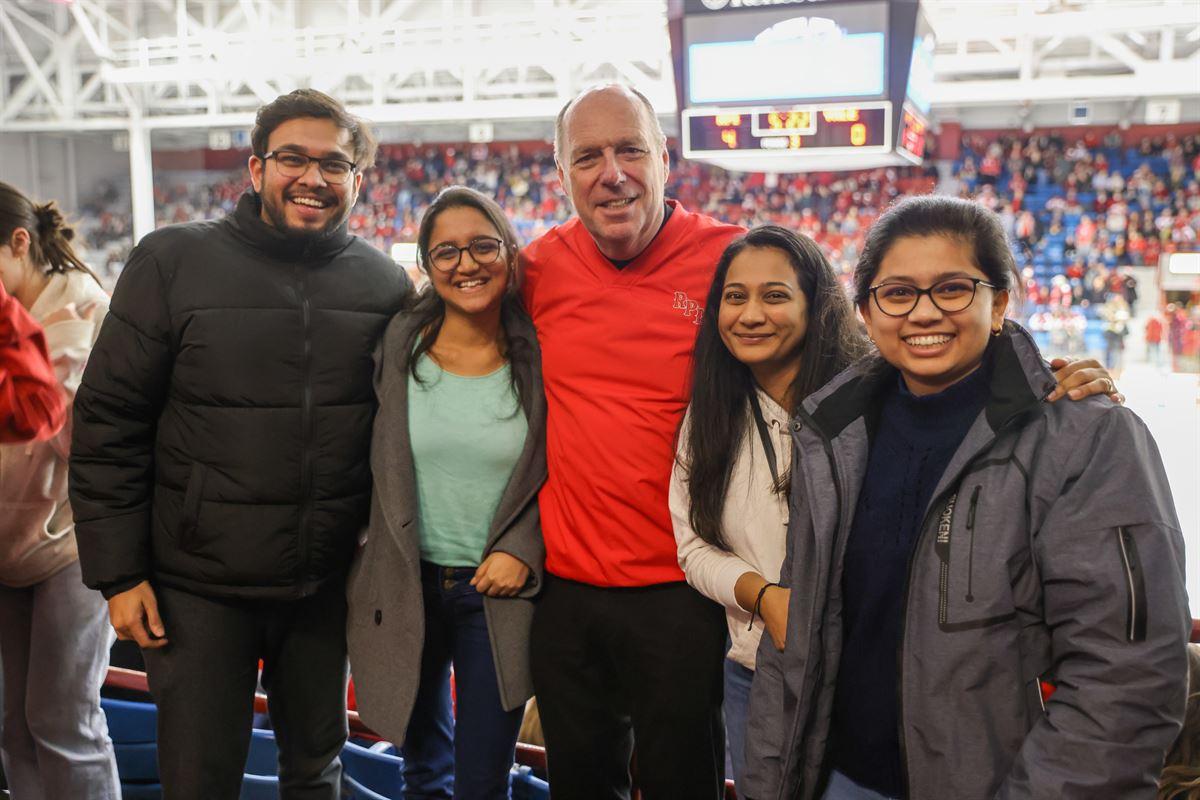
(996, 331)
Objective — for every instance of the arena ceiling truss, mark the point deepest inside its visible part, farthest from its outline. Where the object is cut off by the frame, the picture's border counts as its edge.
(71, 65)
(1032, 51)
(76, 65)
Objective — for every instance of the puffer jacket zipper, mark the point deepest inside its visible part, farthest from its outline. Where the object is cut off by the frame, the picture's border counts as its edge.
(306, 428)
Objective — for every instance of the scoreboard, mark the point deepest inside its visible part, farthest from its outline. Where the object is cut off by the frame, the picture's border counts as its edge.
(757, 130)
(797, 85)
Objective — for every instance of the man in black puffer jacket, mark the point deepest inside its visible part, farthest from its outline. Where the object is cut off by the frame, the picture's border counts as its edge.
(219, 471)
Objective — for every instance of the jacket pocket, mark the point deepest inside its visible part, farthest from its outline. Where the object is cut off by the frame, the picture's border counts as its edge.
(190, 516)
(975, 550)
(1135, 617)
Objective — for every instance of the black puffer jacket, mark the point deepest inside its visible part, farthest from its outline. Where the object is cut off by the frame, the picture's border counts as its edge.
(224, 420)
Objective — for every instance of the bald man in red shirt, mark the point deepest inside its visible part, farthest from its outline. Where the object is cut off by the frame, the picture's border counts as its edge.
(625, 653)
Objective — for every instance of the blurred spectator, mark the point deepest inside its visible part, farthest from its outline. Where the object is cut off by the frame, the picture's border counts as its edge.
(1115, 314)
(1154, 337)
(1079, 212)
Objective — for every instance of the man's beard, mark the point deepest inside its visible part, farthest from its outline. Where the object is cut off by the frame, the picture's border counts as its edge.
(278, 219)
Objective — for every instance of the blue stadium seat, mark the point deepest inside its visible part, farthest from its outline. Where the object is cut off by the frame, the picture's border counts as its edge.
(356, 791)
(382, 773)
(141, 791)
(129, 721)
(263, 757)
(137, 762)
(527, 786)
(259, 787)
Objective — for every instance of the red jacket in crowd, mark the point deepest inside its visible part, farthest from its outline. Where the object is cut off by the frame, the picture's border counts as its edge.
(31, 404)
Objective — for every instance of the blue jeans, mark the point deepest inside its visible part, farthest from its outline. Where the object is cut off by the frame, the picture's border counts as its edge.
(737, 703)
(468, 754)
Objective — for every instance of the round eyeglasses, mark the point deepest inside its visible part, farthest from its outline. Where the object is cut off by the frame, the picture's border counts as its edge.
(950, 296)
(292, 165)
(484, 250)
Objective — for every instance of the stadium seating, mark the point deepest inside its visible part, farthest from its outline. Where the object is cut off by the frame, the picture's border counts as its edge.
(369, 773)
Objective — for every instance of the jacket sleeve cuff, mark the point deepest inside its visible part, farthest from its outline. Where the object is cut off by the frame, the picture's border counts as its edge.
(113, 552)
(112, 590)
(532, 557)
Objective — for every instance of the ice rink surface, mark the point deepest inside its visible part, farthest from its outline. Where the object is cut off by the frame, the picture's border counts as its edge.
(1170, 405)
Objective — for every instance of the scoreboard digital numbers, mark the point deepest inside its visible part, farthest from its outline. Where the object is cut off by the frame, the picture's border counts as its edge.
(912, 136)
(802, 85)
(808, 130)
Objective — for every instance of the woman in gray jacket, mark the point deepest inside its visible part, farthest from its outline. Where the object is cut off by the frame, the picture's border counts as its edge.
(987, 591)
(453, 552)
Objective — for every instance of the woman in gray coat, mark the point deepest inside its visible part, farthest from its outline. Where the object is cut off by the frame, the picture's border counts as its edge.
(986, 589)
(453, 553)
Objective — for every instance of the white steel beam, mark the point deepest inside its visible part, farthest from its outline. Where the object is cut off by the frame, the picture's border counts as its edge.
(34, 69)
(89, 32)
(1155, 80)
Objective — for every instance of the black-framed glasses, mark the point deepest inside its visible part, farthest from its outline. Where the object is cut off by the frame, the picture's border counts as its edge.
(950, 296)
(484, 249)
(292, 165)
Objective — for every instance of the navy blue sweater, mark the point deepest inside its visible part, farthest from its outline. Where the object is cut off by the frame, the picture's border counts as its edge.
(914, 442)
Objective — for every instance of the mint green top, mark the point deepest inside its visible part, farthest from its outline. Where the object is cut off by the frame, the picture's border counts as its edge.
(467, 434)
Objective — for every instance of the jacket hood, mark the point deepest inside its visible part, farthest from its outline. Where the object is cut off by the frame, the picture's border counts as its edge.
(1021, 378)
(248, 226)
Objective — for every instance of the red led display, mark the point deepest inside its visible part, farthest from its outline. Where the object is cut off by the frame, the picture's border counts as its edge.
(784, 129)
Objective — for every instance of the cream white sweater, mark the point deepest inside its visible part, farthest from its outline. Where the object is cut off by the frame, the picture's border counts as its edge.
(755, 525)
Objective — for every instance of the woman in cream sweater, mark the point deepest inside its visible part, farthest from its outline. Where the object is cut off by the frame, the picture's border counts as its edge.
(54, 632)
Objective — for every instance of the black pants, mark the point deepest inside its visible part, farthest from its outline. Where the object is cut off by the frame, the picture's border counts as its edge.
(615, 667)
(204, 682)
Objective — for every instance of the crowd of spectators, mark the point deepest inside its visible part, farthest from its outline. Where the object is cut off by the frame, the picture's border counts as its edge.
(1078, 212)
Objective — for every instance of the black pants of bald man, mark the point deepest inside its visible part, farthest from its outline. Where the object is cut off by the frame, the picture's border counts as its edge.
(204, 681)
(630, 670)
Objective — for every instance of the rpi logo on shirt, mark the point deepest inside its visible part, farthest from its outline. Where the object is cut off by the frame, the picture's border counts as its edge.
(688, 306)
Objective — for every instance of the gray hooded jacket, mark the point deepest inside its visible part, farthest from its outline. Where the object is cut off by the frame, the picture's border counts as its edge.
(1050, 551)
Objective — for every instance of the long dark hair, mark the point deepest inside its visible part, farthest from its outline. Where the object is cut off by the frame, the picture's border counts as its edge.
(429, 309)
(721, 385)
(50, 236)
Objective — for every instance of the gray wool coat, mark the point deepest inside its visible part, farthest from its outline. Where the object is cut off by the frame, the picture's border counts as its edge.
(385, 627)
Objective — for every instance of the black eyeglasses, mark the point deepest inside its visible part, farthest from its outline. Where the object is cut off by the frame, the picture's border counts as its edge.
(292, 165)
(950, 296)
(485, 250)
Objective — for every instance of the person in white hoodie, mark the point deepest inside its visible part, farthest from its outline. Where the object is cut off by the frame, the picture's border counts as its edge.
(54, 632)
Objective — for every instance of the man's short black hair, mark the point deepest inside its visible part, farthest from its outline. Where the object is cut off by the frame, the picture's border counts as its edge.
(312, 103)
